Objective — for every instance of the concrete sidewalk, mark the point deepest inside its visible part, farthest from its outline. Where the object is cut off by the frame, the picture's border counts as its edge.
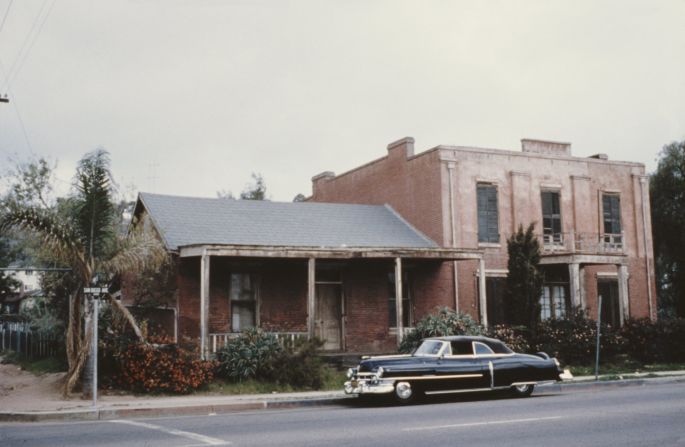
(125, 407)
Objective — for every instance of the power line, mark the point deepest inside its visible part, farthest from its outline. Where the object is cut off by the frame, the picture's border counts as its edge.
(25, 42)
(2, 24)
(16, 111)
(14, 75)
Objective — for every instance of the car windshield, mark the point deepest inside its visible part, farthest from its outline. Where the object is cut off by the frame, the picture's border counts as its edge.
(429, 347)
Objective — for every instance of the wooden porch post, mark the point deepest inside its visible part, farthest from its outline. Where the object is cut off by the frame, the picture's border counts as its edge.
(482, 294)
(204, 304)
(311, 296)
(398, 299)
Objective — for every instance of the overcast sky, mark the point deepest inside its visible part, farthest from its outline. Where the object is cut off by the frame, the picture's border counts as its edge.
(191, 96)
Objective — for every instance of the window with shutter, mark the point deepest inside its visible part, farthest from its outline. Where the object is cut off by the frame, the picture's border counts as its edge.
(488, 217)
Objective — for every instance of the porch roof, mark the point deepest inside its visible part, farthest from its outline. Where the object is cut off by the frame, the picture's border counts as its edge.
(328, 253)
(251, 228)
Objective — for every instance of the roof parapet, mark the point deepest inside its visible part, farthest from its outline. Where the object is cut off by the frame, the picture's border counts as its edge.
(546, 147)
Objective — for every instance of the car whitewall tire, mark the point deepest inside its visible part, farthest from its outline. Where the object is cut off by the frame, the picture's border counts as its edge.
(522, 390)
(404, 393)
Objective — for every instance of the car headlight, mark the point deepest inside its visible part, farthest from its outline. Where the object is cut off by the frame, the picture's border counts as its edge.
(350, 372)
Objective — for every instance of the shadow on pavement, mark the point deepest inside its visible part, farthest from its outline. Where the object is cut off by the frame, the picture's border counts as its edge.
(388, 401)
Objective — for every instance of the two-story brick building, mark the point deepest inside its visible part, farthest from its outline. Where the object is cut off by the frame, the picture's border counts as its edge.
(592, 214)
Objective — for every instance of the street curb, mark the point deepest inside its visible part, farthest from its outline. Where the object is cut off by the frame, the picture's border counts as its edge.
(238, 407)
(557, 388)
(150, 412)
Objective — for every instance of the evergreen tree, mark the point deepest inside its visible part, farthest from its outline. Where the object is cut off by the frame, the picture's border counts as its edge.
(524, 280)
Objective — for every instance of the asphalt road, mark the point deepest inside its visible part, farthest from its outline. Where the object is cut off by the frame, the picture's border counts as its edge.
(631, 416)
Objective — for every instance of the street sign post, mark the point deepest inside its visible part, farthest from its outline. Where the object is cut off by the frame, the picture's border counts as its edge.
(599, 328)
(95, 293)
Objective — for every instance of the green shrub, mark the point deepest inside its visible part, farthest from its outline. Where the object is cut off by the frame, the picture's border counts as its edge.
(516, 337)
(161, 368)
(258, 355)
(300, 366)
(659, 341)
(252, 355)
(573, 339)
(445, 322)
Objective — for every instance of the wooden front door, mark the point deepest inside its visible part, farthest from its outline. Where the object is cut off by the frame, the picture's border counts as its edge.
(611, 309)
(328, 321)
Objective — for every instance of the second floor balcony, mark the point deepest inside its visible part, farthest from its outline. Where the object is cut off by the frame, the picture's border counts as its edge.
(587, 243)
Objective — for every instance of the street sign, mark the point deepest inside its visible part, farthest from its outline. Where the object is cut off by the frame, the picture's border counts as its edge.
(95, 290)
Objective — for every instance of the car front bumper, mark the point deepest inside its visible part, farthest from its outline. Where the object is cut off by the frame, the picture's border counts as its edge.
(369, 386)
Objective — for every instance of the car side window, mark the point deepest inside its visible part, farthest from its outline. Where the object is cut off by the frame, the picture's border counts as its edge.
(461, 348)
(482, 349)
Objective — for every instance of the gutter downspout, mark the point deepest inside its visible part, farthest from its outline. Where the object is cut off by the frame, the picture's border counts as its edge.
(455, 273)
(643, 182)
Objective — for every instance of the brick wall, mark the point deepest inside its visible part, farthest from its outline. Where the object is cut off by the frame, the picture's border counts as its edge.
(418, 187)
(366, 306)
(283, 295)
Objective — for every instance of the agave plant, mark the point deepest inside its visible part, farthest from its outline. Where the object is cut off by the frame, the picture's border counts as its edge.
(86, 239)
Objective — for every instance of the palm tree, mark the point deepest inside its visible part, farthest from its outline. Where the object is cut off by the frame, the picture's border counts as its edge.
(86, 238)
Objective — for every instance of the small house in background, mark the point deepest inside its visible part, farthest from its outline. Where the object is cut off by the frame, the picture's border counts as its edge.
(354, 275)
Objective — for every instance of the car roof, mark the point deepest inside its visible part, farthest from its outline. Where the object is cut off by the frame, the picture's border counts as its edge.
(466, 338)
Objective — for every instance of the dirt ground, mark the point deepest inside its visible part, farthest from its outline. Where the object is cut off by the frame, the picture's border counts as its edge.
(21, 390)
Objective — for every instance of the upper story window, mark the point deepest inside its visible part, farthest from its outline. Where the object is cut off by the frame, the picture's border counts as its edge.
(488, 216)
(611, 211)
(551, 218)
(611, 204)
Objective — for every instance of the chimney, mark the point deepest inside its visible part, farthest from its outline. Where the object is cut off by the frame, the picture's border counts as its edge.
(546, 147)
(600, 156)
(405, 146)
(318, 179)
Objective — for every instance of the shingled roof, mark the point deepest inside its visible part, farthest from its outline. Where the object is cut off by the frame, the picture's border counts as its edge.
(188, 221)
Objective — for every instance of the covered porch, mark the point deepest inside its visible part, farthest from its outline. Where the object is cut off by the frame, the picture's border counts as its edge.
(354, 299)
(616, 300)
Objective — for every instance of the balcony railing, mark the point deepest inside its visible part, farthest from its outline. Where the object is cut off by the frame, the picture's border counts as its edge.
(588, 243)
(285, 339)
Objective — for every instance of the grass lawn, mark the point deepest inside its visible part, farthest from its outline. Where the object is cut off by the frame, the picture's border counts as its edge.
(333, 381)
(626, 367)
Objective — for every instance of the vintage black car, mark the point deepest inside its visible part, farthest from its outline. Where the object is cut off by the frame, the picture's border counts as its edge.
(451, 365)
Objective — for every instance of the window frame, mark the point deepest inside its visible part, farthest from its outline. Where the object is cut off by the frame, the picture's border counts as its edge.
(549, 235)
(612, 219)
(554, 313)
(487, 214)
(253, 301)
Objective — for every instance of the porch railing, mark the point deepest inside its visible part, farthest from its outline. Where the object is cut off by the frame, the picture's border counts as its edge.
(587, 243)
(285, 339)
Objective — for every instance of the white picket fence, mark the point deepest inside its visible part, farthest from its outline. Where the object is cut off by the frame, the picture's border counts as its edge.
(20, 338)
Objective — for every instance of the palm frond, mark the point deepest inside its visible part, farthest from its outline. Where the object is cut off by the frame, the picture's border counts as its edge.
(138, 251)
(56, 236)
